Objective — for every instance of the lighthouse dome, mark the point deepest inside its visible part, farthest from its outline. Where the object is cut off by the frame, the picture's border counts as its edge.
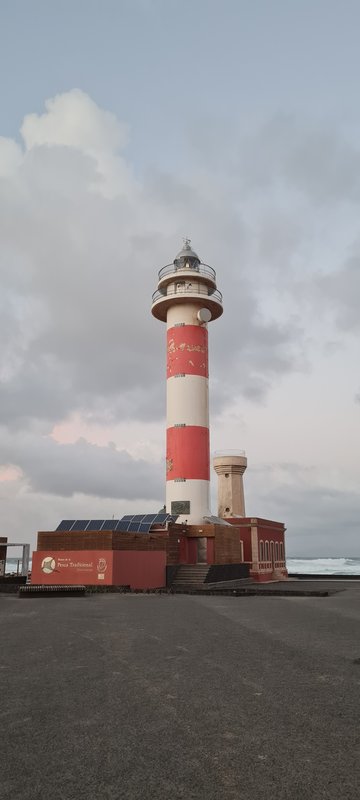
(187, 258)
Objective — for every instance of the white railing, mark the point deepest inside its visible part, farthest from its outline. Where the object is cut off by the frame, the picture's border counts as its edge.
(216, 295)
(202, 269)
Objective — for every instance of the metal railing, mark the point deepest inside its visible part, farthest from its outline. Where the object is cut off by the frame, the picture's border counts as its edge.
(202, 269)
(216, 295)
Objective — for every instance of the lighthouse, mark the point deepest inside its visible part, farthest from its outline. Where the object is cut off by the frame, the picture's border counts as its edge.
(187, 299)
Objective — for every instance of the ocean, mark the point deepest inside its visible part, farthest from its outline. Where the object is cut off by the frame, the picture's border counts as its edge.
(314, 566)
(324, 566)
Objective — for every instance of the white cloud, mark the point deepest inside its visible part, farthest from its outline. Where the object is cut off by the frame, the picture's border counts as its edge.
(80, 243)
(73, 119)
(10, 157)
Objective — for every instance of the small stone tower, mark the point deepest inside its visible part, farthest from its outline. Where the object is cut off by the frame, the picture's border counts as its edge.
(230, 467)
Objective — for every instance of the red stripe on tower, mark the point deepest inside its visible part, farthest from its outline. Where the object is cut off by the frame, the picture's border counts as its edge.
(187, 351)
(187, 453)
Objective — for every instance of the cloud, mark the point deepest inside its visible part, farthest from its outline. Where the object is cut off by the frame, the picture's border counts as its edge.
(82, 236)
(74, 119)
(80, 246)
(340, 293)
(10, 157)
(79, 468)
(320, 518)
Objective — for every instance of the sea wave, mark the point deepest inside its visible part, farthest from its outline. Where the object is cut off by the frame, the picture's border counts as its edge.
(324, 566)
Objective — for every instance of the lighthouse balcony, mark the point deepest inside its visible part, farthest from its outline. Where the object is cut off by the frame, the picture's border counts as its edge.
(188, 271)
(184, 292)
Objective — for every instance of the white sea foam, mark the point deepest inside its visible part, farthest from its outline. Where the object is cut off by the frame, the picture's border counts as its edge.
(324, 566)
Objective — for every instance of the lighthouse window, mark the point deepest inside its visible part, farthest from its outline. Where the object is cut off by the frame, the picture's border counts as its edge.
(180, 375)
(226, 474)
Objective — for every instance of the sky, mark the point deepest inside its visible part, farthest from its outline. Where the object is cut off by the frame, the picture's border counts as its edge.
(124, 127)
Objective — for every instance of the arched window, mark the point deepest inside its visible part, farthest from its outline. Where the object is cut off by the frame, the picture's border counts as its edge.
(261, 550)
(281, 551)
(276, 551)
(272, 552)
(266, 551)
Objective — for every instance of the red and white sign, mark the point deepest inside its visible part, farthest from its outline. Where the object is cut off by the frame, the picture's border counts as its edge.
(137, 569)
(72, 566)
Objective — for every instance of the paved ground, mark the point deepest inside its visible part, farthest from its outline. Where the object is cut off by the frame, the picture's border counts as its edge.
(169, 697)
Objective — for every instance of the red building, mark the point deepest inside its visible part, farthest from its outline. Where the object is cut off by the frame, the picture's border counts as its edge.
(262, 547)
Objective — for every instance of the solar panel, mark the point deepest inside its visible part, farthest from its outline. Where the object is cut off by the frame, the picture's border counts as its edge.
(109, 524)
(81, 524)
(133, 527)
(65, 525)
(144, 527)
(130, 522)
(123, 524)
(95, 525)
(217, 520)
(142, 523)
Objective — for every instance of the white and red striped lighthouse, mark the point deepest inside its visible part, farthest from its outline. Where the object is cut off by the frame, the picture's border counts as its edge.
(187, 299)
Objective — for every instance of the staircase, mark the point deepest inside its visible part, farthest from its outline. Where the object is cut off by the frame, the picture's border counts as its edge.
(191, 577)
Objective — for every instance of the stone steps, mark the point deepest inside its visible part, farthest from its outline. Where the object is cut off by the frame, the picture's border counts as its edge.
(191, 576)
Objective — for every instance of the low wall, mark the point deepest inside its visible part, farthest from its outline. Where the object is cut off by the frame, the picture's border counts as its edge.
(226, 572)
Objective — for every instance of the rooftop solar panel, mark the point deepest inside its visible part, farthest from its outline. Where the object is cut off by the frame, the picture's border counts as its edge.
(65, 525)
(161, 518)
(216, 520)
(142, 523)
(80, 524)
(123, 525)
(95, 525)
(133, 527)
(144, 527)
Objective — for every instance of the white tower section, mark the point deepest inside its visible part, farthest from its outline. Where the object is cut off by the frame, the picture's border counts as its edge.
(187, 299)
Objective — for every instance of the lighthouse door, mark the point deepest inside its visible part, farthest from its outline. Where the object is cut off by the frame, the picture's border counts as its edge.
(201, 550)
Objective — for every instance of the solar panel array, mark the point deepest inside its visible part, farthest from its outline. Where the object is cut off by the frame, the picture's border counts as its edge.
(141, 523)
(130, 523)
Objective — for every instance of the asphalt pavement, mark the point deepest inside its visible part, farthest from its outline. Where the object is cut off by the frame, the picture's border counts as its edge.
(171, 696)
